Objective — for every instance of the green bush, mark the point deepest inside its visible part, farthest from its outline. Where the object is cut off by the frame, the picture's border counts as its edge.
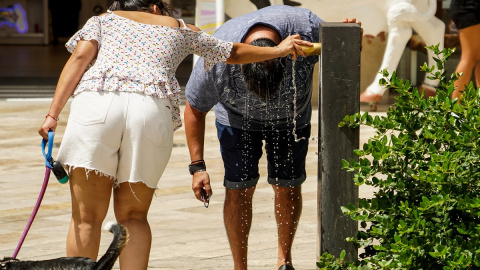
(424, 163)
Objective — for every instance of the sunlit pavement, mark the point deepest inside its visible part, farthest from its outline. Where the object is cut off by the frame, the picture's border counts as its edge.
(186, 235)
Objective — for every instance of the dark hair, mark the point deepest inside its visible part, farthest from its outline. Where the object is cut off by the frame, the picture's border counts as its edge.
(140, 5)
(264, 78)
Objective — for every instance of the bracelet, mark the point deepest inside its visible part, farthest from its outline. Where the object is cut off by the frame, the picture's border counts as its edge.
(54, 118)
(197, 161)
(279, 49)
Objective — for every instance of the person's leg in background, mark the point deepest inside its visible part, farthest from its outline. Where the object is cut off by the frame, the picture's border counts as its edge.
(291, 3)
(261, 3)
(265, 3)
(470, 56)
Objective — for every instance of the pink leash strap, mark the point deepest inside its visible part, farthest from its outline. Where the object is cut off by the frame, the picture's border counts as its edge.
(48, 167)
(34, 213)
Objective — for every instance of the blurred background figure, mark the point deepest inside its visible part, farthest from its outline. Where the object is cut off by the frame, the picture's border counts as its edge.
(64, 14)
(403, 19)
(466, 16)
(265, 3)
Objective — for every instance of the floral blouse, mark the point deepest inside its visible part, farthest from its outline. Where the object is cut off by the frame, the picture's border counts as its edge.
(138, 57)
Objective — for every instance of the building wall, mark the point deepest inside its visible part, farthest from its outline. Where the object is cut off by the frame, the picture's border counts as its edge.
(91, 8)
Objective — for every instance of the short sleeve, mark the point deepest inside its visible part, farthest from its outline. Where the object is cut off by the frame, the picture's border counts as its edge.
(200, 90)
(91, 30)
(212, 49)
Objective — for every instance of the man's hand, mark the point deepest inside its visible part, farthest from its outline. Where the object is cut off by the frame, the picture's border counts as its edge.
(354, 20)
(200, 181)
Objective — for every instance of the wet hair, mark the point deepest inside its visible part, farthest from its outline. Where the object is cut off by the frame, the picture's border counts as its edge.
(141, 5)
(264, 78)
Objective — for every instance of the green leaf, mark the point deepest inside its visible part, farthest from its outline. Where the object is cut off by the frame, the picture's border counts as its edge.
(397, 238)
(342, 254)
(345, 164)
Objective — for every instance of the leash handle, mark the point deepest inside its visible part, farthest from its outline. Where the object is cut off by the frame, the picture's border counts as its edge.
(55, 166)
(48, 155)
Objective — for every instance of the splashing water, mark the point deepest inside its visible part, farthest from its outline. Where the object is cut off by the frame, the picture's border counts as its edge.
(295, 105)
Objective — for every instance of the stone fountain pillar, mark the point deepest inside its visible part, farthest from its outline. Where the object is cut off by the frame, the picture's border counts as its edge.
(339, 92)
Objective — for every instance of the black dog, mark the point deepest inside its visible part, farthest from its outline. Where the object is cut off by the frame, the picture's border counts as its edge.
(106, 262)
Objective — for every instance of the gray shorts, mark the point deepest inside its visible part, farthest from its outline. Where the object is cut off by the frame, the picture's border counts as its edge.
(125, 136)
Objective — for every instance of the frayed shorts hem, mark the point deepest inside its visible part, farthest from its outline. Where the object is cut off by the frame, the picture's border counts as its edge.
(88, 170)
(97, 172)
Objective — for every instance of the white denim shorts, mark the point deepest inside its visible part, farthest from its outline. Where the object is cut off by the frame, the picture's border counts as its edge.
(125, 136)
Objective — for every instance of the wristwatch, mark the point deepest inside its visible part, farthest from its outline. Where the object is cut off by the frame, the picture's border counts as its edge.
(197, 167)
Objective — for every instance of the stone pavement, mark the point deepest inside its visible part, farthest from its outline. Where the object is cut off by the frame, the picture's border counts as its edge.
(186, 235)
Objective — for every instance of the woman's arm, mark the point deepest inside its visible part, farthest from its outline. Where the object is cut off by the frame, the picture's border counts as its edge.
(71, 74)
(244, 53)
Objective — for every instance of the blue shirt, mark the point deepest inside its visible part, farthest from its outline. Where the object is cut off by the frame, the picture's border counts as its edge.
(223, 88)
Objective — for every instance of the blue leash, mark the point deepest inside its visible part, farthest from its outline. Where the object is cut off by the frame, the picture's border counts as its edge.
(62, 177)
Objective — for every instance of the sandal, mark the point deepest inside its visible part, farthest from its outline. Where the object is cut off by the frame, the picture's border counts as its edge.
(371, 98)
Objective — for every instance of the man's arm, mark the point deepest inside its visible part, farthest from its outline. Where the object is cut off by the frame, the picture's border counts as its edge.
(195, 134)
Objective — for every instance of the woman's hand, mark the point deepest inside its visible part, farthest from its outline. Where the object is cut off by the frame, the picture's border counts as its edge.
(244, 53)
(48, 124)
(292, 45)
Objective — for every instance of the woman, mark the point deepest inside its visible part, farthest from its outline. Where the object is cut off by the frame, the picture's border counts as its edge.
(466, 16)
(125, 109)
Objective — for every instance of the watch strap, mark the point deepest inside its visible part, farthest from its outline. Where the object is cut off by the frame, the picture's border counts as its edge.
(196, 167)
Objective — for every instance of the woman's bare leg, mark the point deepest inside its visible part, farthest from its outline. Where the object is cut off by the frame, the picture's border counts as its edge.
(90, 201)
(131, 202)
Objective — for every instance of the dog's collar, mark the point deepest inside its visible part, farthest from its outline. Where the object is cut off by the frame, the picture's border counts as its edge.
(3, 263)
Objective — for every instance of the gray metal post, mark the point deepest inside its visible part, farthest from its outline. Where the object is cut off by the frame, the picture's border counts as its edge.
(339, 95)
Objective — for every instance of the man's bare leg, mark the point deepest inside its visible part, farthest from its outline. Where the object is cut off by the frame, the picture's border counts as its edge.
(237, 214)
(288, 208)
